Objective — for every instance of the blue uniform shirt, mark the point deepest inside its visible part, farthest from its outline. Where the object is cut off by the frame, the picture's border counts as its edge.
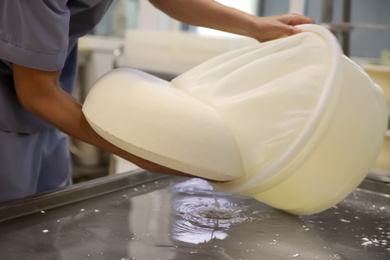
(41, 35)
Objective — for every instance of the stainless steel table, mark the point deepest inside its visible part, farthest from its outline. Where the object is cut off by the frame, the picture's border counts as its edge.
(142, 215)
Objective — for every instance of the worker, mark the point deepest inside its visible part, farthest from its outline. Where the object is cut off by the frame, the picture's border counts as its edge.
(38, 63)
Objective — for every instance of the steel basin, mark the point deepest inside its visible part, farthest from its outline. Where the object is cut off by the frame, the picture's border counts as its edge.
(142, 215)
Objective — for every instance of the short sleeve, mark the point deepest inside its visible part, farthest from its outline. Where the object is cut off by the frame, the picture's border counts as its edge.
(34, 33)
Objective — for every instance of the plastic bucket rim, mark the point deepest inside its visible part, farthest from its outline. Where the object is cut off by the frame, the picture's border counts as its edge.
(314, 119)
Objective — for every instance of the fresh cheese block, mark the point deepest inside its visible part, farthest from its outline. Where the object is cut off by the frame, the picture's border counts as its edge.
(147, 117)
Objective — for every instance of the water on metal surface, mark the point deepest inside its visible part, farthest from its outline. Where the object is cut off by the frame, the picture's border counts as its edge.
(180, 218)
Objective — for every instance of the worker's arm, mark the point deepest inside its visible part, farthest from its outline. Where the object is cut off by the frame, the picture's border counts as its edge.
(211, 14)
(39, 92)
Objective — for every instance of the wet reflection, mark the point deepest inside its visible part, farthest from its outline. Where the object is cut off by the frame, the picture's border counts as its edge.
(181, 218)
(79, 231)
(202, 214)
(224, 226)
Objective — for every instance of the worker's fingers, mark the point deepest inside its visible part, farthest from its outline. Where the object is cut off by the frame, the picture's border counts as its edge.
(288, 22)
(289, 30)
(295, 19)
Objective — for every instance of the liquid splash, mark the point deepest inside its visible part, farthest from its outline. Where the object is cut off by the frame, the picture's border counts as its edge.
(204, 214)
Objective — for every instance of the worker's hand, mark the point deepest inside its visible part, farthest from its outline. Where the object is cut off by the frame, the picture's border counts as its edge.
(212, 14)
(269, 28)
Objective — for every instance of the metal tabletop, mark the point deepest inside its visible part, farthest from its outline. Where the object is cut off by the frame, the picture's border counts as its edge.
(142, 215)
